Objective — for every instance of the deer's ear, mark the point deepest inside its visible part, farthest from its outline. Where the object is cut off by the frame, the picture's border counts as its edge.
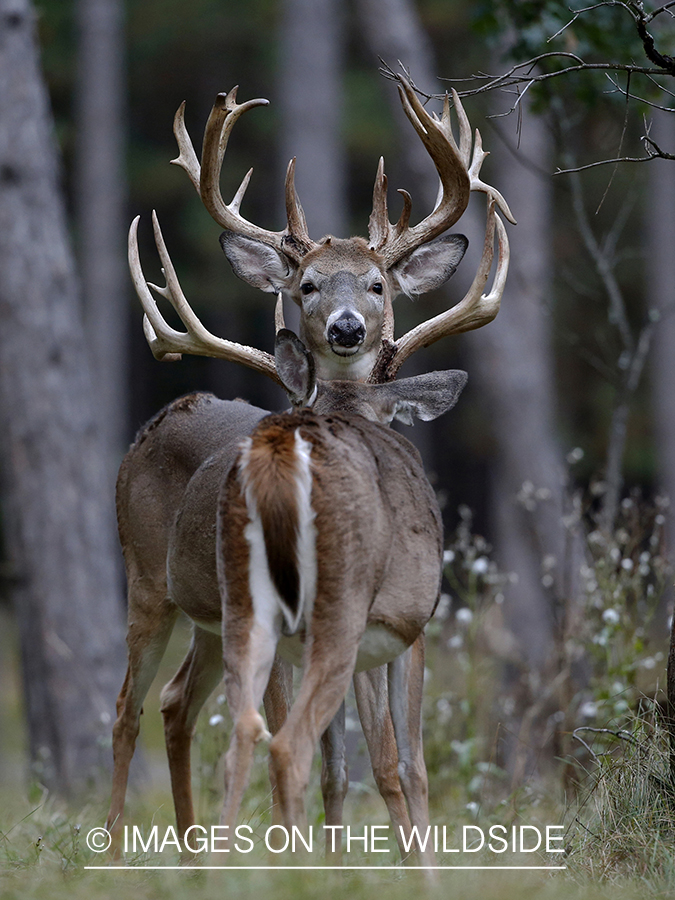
(295, 367)
(257, 263)
(425, 397)
(430, 265)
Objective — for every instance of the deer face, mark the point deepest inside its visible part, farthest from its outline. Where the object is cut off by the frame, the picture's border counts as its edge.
(344, 296)
(344, 292)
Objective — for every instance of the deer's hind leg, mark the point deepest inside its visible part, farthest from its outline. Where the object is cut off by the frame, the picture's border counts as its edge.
(249, 649)
(372, 701)
(181, 700)
(406, 683)
(328, 669)
(151, 620)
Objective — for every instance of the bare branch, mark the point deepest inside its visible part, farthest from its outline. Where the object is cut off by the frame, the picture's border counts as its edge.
(667, 63)
(522, 74)
(661, 88)
(587, 746)
(654, 150)
(657, 12)
(621, 140)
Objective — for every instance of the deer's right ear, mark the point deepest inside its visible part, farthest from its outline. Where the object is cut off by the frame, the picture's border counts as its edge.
(257, 263)
(424, 397)
(295, 367)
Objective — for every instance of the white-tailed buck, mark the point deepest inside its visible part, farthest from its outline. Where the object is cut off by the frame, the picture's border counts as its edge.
(345, 290)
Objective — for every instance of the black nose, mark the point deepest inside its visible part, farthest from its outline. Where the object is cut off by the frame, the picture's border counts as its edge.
(346, 331)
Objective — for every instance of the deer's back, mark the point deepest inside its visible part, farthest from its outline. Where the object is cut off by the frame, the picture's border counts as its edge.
(195, 431)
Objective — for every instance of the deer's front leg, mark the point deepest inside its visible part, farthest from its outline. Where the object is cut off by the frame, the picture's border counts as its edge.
(277, 701)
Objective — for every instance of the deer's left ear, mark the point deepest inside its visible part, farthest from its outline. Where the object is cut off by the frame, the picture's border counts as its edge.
(430, 265)
(425, 397)
(295, 367)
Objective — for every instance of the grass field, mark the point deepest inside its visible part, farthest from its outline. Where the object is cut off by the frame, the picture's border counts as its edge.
(617, 818)
(619, 840)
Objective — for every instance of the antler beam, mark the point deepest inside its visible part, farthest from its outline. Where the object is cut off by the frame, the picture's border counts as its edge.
(473, 311)
(165, 342)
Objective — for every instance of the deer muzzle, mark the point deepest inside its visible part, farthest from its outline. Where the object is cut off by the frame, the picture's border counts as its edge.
(346, 333)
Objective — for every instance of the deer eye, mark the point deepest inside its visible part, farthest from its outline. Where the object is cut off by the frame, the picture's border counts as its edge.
(307, 287)
(377, 287)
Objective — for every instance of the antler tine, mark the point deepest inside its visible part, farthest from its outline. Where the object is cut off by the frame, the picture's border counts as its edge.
(297, 242)
(225, 113)
(464, 125)
(477, 161)
(187, 158)
(473, 311)
(156, 330)
(379, 226)
(436, 135)
(165, 342)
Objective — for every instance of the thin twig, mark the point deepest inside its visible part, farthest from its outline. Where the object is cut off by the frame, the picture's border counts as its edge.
(657, 12)
(513, 77)
(644, 100)
(621, 139)
(620, 733)
(603, 265)
(587, 746)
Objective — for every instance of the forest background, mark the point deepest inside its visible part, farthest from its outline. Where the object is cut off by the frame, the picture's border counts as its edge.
(555, 468)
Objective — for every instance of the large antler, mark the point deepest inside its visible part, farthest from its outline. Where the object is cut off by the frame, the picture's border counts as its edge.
(473, 311)
(165, 342)
(294, 240)
(458, 169)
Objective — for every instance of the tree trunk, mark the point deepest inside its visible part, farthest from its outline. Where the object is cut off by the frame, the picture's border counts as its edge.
(100, 197)
(59, 524)
(660, 239)
(514, 361)
(310, 98)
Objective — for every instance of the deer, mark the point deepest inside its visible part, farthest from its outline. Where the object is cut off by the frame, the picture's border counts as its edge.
(349, 279)
(329, 548)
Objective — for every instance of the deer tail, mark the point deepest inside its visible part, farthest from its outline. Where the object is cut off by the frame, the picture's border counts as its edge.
(275, 470)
